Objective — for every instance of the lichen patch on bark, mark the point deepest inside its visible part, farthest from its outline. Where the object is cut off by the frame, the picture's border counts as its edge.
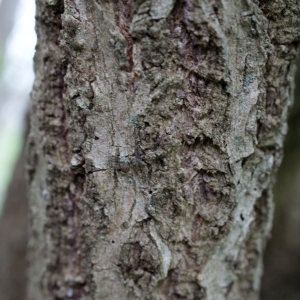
(157, 128)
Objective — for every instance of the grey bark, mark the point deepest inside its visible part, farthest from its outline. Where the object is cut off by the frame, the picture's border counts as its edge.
(281, 276)
(156, 131)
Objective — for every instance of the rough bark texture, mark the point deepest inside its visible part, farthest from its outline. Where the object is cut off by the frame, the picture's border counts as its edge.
(156, 130)
(281, 278)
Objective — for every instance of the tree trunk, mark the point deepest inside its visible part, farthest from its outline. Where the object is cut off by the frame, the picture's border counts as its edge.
(156, 131)
(282, 276)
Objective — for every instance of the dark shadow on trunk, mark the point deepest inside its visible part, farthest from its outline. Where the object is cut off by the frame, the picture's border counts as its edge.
(281, 280)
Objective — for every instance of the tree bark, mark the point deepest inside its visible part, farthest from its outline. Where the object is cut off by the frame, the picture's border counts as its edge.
(156, 131)
(282, 276)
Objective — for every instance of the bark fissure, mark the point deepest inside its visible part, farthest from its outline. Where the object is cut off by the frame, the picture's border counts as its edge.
(62, 188)
(174, 120)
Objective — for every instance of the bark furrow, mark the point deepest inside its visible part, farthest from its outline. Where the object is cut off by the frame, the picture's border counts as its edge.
(157, 128)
